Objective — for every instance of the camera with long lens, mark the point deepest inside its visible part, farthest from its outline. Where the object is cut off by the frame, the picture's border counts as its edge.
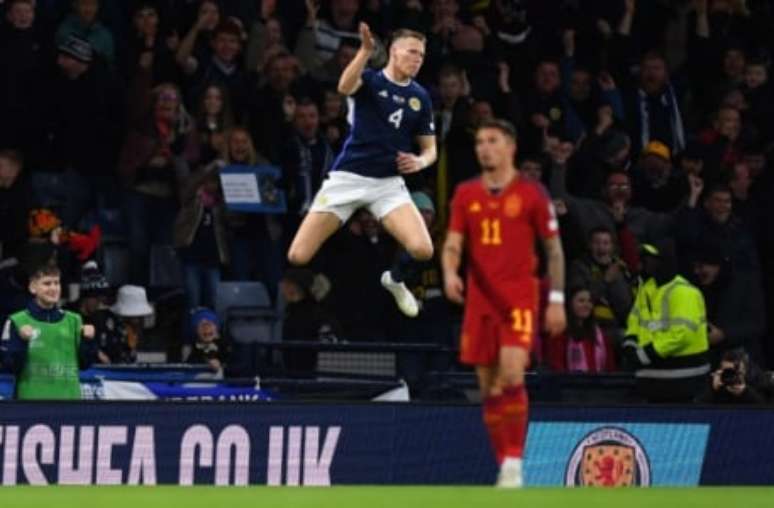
(730, 376)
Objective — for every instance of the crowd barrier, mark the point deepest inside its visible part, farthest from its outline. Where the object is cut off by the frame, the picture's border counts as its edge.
(376, 443)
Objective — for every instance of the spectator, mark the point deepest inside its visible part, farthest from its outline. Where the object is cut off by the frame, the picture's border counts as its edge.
(666, 336)
(450, 38)
(582, 101)
(150, 43)
(453, 89)
(42, 345)
(15, 204)
(744, 202)
(24, 54)
(721, 144)
(84, 117)
(213, 118)
(206, 350)
(196, 48)
(735, 308)
(306, 319)
(339, 22)
(758, 93)
(267, 38)
(333, 118)
(200, 236)
(615, 210)
(658, 185)
(730, 383)
(83, 24)
(652, 108)
(607, 277)
(306, 159)
(254, 252)
(132, 308)
(329, 72)
(717, 223)
(460, 142)
(223, 68)
(45, 227)
(154, 163)
(544, 105)
(584, 347)
(109, 335)
(272, 105)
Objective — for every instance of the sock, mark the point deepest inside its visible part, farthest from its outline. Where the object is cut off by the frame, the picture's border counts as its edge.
(513, 429)
(404, 268)
(493, 420)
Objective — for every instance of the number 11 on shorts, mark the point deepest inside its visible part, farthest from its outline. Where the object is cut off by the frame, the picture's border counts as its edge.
(522, 320)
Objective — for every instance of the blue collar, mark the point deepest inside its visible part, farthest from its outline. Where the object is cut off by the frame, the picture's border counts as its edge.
(53, 315)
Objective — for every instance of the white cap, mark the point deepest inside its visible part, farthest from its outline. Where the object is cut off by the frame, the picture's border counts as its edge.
(132, 302)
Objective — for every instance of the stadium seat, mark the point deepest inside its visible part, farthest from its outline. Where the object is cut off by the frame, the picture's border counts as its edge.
(249, 319)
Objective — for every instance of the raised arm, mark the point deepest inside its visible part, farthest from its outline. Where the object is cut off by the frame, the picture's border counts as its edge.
(350, 79)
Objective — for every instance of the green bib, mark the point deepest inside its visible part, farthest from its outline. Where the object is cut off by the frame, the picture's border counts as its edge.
(51, 371)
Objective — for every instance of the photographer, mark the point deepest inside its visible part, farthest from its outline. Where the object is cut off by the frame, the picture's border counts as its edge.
(730, 382)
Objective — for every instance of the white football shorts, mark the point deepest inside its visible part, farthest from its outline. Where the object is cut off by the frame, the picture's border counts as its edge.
(342, 193)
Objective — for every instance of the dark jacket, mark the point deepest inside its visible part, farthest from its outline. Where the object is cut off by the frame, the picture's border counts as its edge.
(15, 204)
(190, 216)
(735, 304)
(84, 120)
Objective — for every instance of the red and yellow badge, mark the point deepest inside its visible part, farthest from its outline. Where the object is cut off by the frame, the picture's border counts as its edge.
(608, 466)
(513, 206)
(474, 207)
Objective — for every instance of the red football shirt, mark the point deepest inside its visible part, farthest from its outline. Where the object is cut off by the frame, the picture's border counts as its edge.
(500, 232)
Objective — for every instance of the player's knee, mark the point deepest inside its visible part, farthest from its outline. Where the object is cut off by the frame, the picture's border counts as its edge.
(511, 379)
(297, 256)
(421, 251)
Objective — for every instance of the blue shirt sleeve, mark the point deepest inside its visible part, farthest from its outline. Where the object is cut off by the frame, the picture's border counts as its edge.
(427, 122)
(13, 349)
(87, 353)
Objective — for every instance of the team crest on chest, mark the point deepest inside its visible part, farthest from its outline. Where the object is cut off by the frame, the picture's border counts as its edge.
(474, 207)
(513, 206)
(415, 104)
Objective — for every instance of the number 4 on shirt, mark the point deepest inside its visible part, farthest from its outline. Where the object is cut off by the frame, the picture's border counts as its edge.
(396, 118)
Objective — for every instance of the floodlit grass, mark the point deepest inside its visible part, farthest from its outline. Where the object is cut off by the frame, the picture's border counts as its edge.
(378, 497)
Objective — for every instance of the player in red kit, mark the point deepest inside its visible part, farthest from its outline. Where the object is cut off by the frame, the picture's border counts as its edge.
(495, 220)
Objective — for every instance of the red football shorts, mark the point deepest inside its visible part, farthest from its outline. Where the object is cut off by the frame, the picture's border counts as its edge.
(485, 332)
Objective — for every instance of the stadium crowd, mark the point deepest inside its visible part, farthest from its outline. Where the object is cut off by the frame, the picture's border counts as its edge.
(651, 123)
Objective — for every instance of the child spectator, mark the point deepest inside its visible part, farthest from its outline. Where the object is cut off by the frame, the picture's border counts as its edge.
(131, 307)
(206, 326)
(110, 334)
(42, 345)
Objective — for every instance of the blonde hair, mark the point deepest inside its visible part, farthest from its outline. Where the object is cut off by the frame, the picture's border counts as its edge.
(252, 157)
(184, 122)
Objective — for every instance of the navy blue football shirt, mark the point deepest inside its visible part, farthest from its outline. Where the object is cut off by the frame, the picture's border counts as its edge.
(385, 118)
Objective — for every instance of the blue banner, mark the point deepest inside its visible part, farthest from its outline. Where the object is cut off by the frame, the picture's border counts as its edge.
(253, 189)
(328, 444)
